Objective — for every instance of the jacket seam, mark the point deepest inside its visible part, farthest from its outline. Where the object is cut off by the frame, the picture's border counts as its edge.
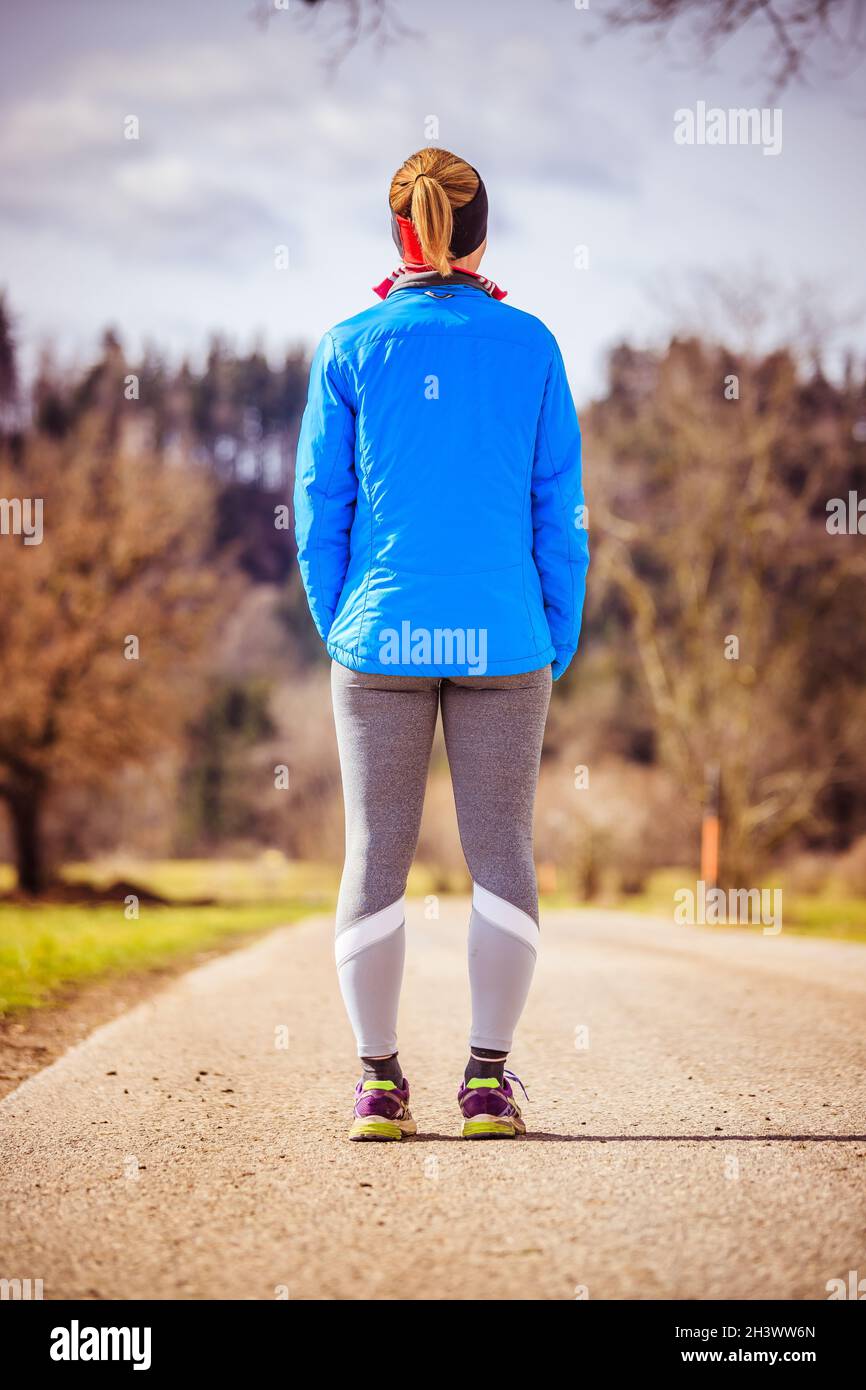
(448, 574)
(369, 565)
(506, 660)
(568, 557)
(350, 366)
(389, 333)
(318, 529)
(526, 513)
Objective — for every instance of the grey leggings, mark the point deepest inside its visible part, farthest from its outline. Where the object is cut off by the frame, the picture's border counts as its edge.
(493, 732)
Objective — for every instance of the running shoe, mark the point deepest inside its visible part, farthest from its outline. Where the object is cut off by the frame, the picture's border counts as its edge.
(382, 1111)
(489, 1108)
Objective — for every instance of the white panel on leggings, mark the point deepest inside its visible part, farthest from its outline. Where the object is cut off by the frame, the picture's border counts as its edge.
(505, 915)
(368, 931)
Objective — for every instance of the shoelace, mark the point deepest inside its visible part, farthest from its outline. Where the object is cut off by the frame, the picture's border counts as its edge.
(512, 1076)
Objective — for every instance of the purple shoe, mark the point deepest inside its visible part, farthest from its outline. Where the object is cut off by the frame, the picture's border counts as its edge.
(382, 1111)
(490, 1110)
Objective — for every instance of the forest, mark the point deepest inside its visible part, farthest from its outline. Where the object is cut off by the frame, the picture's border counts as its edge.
(164, 693)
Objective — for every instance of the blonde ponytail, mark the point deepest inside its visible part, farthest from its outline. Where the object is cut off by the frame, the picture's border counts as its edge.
(426, 189)
(433, 221)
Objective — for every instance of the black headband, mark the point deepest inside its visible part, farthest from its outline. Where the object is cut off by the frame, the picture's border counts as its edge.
(470, 229)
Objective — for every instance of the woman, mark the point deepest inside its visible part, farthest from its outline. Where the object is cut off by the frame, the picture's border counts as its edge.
(439, 522)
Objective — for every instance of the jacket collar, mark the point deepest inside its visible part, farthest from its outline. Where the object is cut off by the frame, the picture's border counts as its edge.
(408, 277)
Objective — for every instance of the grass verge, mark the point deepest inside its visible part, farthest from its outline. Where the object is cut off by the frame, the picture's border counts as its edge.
(45, 948)
(831, 914)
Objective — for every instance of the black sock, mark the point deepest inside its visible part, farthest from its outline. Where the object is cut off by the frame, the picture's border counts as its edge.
(485, 1062)
(382, 1069)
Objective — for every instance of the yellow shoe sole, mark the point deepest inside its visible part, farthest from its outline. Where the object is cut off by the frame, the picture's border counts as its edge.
(383, 1130)
(490, 1127)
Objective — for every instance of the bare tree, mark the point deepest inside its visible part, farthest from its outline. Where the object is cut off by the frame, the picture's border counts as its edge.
(104, 622)
(357, 21)
(791, 30)
(710, 482)
(8, 368)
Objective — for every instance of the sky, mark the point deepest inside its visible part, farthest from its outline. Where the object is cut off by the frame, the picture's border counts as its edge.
(254, 136)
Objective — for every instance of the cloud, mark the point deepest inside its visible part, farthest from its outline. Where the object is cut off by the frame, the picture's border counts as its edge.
(237, 136)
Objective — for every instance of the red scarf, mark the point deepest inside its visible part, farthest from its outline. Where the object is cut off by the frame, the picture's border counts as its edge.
(391, 280)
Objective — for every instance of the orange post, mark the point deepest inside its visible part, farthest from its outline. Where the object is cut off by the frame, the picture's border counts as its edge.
(710, 829)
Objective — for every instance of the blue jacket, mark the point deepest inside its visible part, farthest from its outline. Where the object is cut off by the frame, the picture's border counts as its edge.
(439, 511)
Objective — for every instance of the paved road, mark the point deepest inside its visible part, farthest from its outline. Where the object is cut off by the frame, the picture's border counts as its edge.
(708, 1142)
